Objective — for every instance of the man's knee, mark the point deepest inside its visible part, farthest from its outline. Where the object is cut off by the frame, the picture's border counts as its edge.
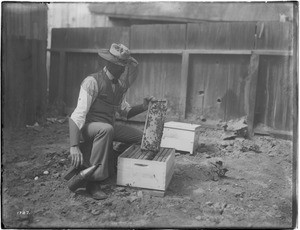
(106, 129)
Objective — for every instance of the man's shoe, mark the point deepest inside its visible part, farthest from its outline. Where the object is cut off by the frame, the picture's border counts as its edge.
(95, 191)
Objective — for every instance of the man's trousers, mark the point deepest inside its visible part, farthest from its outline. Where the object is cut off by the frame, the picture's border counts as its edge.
(100, 136)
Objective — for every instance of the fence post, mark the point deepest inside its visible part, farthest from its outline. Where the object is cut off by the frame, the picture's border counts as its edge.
(252, 78)
(183, 84)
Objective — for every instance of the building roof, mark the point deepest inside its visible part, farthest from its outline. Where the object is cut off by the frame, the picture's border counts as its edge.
(196, 11)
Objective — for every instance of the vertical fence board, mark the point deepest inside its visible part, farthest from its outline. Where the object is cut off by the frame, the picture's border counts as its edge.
(275, 36)
(170, 36)
(221, 35)
(251, 91)
(159, 75)
(235, 97)
(274, 90)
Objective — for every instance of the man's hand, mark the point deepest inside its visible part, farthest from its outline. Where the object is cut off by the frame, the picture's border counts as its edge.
(76, 156)
(147, 101)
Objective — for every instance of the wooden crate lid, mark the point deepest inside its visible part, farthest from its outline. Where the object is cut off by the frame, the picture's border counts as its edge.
(180, 125)
(154, 125)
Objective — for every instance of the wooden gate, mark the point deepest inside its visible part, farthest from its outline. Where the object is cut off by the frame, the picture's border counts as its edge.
(219, 71)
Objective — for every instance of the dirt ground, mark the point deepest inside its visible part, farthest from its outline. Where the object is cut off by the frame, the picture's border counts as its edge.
(256, 191)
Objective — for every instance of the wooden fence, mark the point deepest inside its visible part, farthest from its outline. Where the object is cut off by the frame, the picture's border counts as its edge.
(24, 43)
(219, 71)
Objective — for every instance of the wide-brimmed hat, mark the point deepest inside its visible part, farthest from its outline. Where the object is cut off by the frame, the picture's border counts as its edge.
(117, 54)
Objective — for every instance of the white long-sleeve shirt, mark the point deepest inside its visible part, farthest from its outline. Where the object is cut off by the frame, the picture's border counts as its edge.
(87, 95)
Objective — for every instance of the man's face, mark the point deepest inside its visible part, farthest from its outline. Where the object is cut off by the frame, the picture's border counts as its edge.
(115, 70)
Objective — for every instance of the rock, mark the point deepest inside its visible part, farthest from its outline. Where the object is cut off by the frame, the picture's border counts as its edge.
(95, 212)
(108, 203)
(120, 189)
(36, 178)
(26, 193)
(46, 172)
(132, 198)
(140, 194)
(198, 217)
(56, 175)
(198, 191)
(209, 203)
(223, 144)
(271, 154)
(112, 215)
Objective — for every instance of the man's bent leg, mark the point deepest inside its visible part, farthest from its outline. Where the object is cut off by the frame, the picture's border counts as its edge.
(127, 134)
(102, 135)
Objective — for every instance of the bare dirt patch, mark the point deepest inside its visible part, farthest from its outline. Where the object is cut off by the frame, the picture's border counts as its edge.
(255, 192)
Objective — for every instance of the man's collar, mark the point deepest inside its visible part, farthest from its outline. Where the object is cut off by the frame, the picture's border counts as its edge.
(109, 75)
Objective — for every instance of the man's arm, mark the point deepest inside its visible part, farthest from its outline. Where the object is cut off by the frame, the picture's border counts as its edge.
(135, 110)
(87, 95)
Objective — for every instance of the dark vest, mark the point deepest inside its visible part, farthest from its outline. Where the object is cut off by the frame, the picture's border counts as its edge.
(108, 101)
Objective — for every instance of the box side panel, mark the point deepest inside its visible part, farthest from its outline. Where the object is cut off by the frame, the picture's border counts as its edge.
(178, 139)
(170, 167)
(141, 173)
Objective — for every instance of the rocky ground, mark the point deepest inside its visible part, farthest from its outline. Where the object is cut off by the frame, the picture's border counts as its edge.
(255, 192)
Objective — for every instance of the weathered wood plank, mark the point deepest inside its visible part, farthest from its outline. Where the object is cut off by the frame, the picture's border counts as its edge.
(221, 35)
(235, 97)
(179, 51)
(171, 36)
(62, 76)
(183, 84)
(158, 76)
(275, 84)
(275, 36)
(251, 91)
(207, 86)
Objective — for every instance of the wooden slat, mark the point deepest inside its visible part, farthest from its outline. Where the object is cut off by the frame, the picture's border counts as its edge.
(207, 84)
(165, 151)
(252, 84)
(159, 76)
(221, 35)
(180, 52)
(134, 152)
(143, 154)
(183, 85)
(169, 151)
(275, 36)
(61, 85)
(158, 154)
(161, 36)
(274, 107)
(234, 97)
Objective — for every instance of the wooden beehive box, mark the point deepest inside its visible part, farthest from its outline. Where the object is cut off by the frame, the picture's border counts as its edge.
(137, 169)
(181, 136)
(148, 165)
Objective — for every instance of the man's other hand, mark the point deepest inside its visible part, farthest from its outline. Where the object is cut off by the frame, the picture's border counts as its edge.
(147, 101)
(76, 156)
